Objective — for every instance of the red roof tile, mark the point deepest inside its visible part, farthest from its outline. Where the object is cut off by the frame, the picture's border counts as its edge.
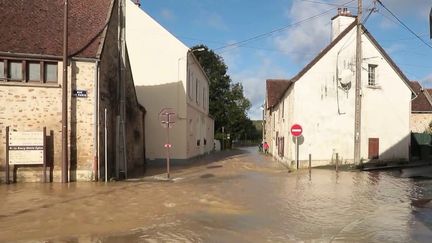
(421, 102)
(36, 26)
(275, 90)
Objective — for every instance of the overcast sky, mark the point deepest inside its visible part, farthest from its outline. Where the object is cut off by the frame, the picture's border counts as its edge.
(291, 45)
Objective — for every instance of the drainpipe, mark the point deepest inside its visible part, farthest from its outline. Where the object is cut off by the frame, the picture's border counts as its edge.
(96, 165)
(65, 157)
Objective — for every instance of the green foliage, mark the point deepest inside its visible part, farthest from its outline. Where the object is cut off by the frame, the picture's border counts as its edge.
(227, 105)
(429, 128)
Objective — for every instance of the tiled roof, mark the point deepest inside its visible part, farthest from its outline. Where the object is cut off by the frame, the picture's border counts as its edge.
(275, 90)
(421, 102)
(36, 26)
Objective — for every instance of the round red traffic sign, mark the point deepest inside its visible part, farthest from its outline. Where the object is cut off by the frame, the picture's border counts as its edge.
(296, 130)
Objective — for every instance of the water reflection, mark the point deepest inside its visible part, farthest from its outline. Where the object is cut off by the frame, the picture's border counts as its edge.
(243, 198)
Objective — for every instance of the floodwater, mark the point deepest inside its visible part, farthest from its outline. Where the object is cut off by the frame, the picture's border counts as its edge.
(240, 196)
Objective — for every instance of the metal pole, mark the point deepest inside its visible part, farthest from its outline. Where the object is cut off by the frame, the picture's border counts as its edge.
(96, 124)
(297, 152)
(357, 125)
(7, 155)
(310, 162)
(168, 142)
(337, 162)
(44, 155)
(122, 19)
(106, 147)
(65, 158)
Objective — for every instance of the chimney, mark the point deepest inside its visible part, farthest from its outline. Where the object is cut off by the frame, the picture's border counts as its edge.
(137, 2)
(341, 21)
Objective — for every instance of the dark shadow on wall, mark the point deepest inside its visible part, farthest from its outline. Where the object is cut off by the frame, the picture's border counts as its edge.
(73, 124)
(49, 140)
(165, 95)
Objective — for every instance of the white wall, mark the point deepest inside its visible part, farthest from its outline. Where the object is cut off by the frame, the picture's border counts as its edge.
(386, 109)
(158, 62)
(200, 125)
(326, 112)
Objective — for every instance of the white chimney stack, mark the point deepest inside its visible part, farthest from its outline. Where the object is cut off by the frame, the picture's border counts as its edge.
(341, 21)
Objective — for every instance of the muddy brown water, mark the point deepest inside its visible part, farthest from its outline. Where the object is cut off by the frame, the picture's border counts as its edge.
(242, 197)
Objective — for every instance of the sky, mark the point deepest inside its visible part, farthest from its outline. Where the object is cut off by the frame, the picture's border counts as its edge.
(275, 39)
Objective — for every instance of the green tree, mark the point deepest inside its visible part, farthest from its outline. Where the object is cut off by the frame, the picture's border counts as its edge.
(227, 104)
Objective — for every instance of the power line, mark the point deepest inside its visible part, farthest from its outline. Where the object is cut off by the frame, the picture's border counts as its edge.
(236, 44)
(325, 3)
(403, 24)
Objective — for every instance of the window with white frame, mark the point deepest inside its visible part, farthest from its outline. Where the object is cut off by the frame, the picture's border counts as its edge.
(188, 83)
(196, 91)
(372, 75)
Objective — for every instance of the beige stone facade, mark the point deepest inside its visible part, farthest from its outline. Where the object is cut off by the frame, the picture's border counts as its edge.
(31, 106)
(419, 122)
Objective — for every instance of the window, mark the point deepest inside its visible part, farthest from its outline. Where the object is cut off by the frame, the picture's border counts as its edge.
(51, 72)
(283, 109)
(203, 97)
(196, 91)
(2, 76)
(15, 70)
(372, 74)
(34, 71)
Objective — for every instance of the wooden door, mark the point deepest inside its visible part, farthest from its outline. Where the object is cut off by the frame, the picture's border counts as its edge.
(373, 148)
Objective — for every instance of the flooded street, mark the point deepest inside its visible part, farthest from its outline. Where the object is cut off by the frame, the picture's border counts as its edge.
(241, 197)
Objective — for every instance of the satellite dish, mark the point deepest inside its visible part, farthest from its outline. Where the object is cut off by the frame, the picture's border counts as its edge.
(346, 77)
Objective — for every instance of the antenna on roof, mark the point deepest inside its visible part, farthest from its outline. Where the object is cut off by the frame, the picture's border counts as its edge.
(137, 2)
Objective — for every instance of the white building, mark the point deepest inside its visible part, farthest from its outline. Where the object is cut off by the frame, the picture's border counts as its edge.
(167, 75)
(321, 98)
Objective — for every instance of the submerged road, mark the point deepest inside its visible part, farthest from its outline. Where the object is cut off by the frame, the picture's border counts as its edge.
(235, 196)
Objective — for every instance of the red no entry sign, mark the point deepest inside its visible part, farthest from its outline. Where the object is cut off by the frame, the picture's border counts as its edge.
(296, 130)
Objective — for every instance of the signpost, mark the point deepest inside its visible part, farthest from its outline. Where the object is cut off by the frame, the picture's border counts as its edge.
(296, 131)
(25, 148)
(167, 117)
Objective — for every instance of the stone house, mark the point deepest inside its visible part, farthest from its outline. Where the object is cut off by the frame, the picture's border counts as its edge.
(321, 98)
(31, 40)
(167, 75)
(421, 108)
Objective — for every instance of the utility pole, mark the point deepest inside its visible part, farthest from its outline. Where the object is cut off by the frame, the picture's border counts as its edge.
(357, 125)
(64, 174)
(121, 163)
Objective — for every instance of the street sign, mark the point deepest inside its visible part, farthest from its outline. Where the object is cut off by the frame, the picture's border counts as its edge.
(167, 117)
(296, 130)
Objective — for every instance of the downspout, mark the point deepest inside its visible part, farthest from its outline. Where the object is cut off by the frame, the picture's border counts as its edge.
(65, 132)
(96, 165)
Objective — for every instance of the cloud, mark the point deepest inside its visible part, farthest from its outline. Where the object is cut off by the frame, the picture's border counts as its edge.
(215, 21)
(404, 8)
(167, 14)
(307, 37)
(253, 80)
(427, 81)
